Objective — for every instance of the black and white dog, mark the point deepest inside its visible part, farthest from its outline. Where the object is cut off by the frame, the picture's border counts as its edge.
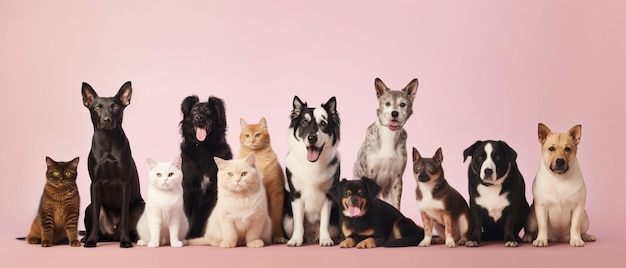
(203, 128)
(312, 167)
(497, 193)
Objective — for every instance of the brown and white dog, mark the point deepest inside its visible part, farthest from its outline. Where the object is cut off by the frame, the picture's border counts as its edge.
(558, 211)
(382, 155)
(440, 204)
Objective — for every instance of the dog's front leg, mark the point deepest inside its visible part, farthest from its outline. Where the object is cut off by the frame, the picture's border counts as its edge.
(575, 239)
(297, 237)
(96, 204)
(396, 191)
(510, 237)
(325, 239)
(125, 241)
(541, 214)
(477, 226)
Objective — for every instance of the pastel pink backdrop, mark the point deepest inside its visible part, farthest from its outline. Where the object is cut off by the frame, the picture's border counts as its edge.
(486, 70)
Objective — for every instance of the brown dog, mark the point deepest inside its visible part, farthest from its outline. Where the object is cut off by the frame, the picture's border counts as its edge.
(441, 205)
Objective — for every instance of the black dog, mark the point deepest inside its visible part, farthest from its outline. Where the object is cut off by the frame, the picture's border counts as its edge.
(204, 136)
(367, 221)
(116, 202)
(497, 193)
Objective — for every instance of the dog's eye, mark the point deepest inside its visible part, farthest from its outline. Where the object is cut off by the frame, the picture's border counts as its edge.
(347, 193)
(402, 104)
(387, 104)
(430, 169)
(323, 123)
(243, 174)
(480, 157)
(552, 149)
(97, 108)
(304, 123)
(497, 157)
(361, 193)
(418, 170)
(230, 174)
(159, 175)
(115, 107)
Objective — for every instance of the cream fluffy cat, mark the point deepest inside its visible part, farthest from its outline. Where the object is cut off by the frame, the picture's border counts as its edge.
(240, 215)
(163, 220)
(255, 138)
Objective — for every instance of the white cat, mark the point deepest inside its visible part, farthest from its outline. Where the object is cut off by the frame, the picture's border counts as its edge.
(240, 216)
(163, 220)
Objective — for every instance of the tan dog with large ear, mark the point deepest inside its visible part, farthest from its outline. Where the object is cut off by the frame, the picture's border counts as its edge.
(558, 211)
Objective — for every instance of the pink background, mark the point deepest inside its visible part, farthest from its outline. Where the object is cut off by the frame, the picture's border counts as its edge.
(487, 70)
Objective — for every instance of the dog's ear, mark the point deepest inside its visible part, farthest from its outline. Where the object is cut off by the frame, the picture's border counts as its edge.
(470, 150)
(298, 106)
(89, 95)
(543, 131)
(439, 155)
(411, 89)
(373, 189)
(187, 104)
(219, 109)
(331, 105)
(124, 94)
(511, 154)
(416, 155)
(575, 132)
(381, 88)
(336, 189)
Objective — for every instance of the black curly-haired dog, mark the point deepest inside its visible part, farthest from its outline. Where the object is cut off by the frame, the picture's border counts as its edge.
(203, 129)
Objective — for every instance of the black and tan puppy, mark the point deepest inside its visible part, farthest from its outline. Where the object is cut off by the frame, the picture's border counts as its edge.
(367, 221)
(441, 206)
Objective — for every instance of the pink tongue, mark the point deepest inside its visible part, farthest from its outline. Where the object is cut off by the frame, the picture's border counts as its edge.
(393, 125)
(354, 211)
(200, 133)
(312, 153)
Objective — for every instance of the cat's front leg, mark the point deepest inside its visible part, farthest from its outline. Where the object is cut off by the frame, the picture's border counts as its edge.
(154, 226)
(258, 230)
(229, 233)
(47, 229)
(174, 229)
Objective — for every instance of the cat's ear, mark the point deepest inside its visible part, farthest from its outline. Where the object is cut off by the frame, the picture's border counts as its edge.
(251, 159)
(124, 94)
(49, 161)
(74, 163)
(243, 123)
(262, 123)
(152, 163)
(219, 161)
(177, 162)
(89, 95)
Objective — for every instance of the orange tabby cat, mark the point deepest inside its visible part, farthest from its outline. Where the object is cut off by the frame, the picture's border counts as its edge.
(256, 138)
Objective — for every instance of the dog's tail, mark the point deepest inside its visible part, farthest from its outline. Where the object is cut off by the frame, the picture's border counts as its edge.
(406, 233)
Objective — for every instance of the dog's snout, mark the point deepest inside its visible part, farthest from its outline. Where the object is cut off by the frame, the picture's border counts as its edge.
(198, 117)
(106, 120)
(354, 200)
(394, 114)
(312, 138)
(488, 172)
(560, 162)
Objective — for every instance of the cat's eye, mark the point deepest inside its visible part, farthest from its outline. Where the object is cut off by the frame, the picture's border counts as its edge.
(402, 104)
(243, 174)
(247, 135)
(257, 135)
(159, 175)
(55, 173)
(67, 174)
(170, 174)
(230, 174)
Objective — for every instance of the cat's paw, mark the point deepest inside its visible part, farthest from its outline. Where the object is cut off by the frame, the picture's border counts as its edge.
(176, 244)
(142, 242)
(153, 244)
(75, 243)
(279, 240)
(295, 242)
(33, 240)
(228, 244)
(256, 243)
(46, 243)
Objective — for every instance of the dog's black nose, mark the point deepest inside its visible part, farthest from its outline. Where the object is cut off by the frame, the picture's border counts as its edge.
(488, 172)
(312, 138)
(198, 118)
(394, 114)
(560, 162)
(106, 120)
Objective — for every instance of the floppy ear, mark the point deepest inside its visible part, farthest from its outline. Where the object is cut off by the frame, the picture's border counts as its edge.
(411, 88)
(219, 109)
(124, 94)
(187, 104)
(511, 154)
(543, 131)
(372, 188)
(575, 132)
(89, 95)
(298, 106)
(336, 189)
(439, 155)
(381, 88)
(470, 150)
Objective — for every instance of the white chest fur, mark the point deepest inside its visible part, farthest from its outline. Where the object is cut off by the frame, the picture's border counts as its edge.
(387, 161)
(428, 205)
(490, 199)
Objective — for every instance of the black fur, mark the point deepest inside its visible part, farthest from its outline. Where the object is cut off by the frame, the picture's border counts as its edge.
(301, 108)
(116, 201)
(514, 216)
(197, 158)
(377, 216)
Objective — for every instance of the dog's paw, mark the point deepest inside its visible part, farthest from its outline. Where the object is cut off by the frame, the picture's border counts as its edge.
(425, 243)
(366, 243)
(142, 242)
(472, 244)
(279, 240)
(256, 243)
(127, 244)
(461, 241)
(177, 244)
(75, 243)
(228, 244)
(46, 243)
(347, 243)
(90, 244)
(511, 244)
(450, 242)
(540, 243)
(528, 238)
(295, 242)
(588, 238)
(326, 242)
(576, 243)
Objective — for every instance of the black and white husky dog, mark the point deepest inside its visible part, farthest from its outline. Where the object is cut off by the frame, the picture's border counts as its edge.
(312, 167)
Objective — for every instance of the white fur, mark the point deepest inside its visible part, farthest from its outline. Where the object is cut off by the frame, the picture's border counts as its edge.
(163, 221)
(490, 199)
(428, 205)
(433, 208)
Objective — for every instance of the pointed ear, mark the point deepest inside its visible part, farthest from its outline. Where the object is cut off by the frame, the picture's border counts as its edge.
(381, 88)
(298, 106)
(411, 89)
(243, 123)
(416, 155)
(251, 160)
(74, 163)
(177, 162)
(152, 163)
(438, 155)
(336, 189)
(124, 94)
(543, 131)
(331, 105)
(511, 154)
(49, 161)
(219, 161)
(263, 123)
(219, 109)
(89, 95)
(470, 150)
(575, 132)
(372, 188)
(188, 103)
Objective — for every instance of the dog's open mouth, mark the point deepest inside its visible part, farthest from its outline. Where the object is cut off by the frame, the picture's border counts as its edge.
(393, 125)
(313, 153)
(353, 209)
(202, 132)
